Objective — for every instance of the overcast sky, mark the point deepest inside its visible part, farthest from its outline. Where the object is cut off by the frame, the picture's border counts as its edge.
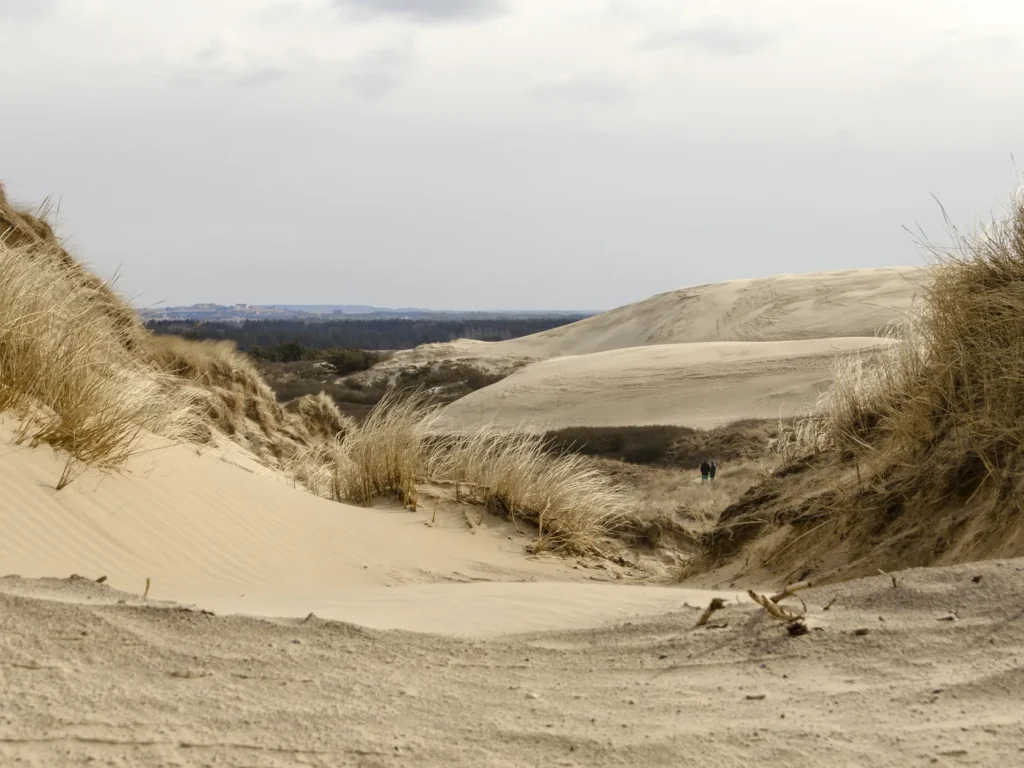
(576, 154)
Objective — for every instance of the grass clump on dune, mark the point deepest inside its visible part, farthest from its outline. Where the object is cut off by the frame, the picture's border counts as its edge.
(574, 505)
(385, 454)
(236, 399)
(69, 362)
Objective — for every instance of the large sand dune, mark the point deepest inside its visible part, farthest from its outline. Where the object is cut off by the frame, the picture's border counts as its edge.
(696, 385)
(821, 305)
(695, 357)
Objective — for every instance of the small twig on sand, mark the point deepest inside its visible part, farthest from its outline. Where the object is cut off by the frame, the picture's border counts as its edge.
(830, 603)
(146, 593)
(789, 589)
(101, 579)
(772, 608)
(716, 604)
(433, 517)
(891, 576)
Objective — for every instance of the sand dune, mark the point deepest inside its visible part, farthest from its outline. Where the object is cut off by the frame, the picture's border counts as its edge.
(856, 302)
(85, 680)
(697, 385)
(213, 531)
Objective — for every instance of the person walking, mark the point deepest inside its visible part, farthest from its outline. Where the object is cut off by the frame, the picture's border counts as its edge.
(714, 469)
(705, 470)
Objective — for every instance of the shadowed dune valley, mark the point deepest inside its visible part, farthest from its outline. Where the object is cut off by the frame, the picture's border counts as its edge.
(496, 385)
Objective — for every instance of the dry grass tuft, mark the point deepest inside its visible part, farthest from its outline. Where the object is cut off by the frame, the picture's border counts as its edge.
(385, 454)
(320, 416)
(573, 504)
(235, 392)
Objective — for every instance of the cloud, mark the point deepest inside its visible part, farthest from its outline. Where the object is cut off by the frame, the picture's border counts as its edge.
(956, 50)
(585, 89)
(378, 73)
(217, 63)
(259, 76)
(26, 9)
(720, 37)
(430, 11)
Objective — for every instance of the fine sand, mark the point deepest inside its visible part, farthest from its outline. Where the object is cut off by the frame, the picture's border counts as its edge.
(927, 673)
(702, 384)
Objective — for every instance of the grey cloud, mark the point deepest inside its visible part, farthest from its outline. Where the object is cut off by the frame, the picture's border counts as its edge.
(720, 37)
(428, 10)
(588, 89)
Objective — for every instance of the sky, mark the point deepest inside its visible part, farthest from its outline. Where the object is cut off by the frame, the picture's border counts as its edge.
(497, 154)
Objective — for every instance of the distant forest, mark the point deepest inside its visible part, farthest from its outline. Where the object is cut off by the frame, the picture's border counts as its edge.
(382, 334)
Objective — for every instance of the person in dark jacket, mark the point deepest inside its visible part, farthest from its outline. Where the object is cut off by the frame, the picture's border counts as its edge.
(714, 469)
(705, 470)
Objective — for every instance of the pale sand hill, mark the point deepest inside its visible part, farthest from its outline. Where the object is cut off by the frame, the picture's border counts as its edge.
(856, 302)
(211, 531)
(696, 385)
(86, 681)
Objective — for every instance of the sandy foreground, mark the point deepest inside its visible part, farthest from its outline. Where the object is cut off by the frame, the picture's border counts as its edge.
(92, 676)
(703, 384)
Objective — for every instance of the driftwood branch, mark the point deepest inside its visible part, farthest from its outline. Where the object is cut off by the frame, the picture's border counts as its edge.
(716, 604)
(779, 613)
(789, 589)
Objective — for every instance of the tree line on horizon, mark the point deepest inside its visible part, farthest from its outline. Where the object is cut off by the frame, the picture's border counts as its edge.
(269, 339)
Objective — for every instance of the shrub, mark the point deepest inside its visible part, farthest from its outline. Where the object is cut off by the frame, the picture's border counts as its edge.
(346, 361)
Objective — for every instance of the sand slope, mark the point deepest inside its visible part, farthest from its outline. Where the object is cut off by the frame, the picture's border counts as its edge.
(695, 385)
(84, 680)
